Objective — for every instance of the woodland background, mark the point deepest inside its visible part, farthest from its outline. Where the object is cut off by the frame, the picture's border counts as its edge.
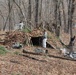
(50, 14)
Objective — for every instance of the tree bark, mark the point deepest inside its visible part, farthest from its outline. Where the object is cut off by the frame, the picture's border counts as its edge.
(36, 12)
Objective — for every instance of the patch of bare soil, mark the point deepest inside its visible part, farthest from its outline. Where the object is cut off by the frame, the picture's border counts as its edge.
(29, 64)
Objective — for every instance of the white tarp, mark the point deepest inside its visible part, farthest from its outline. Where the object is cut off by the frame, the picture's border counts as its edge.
(44, 39)
(19, 26)
(44, 42)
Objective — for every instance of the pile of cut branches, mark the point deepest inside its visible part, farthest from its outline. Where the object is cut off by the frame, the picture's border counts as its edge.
(15, 36)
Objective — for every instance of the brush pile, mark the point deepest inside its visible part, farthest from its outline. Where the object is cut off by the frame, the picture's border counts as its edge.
(16, 36)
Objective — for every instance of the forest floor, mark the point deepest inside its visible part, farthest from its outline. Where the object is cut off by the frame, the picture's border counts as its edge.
(15, 62)
(18, 63)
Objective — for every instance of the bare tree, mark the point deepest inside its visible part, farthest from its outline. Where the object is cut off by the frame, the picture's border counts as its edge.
(10, 6)
(36, 12)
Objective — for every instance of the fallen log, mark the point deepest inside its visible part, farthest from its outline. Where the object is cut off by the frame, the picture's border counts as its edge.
(59, 57)
(24, 51)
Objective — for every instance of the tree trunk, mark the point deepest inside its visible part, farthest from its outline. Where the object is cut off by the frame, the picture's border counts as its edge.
(9, 6)
(36, 12)
(70, 14)
(29, 13)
